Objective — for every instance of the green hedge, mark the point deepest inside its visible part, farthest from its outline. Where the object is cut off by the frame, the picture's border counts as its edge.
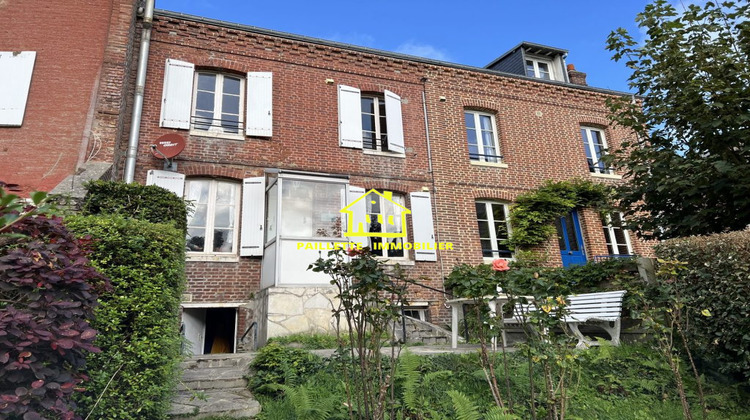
(716, 278)
(138, 321)
(151, 203)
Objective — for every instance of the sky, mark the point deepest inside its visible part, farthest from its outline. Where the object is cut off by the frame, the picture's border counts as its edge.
(473, 34)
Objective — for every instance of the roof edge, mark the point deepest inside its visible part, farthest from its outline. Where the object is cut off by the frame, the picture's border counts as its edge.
(373, 51)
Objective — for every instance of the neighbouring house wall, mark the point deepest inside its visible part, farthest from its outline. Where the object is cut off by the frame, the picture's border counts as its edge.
(76, 92)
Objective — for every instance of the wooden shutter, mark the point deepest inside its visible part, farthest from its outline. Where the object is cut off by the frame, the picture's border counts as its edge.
(395, 122)
(259, 104)
(171, 181)
(15, 80)
(422, 226)
(176, 99)
(357, 215)
(253, 212)
(350, 117)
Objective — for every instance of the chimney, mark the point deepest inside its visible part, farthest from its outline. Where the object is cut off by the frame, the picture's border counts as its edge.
(576, 77)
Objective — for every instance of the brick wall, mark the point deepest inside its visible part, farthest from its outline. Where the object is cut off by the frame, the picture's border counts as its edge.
(538, 125)
(74, 45)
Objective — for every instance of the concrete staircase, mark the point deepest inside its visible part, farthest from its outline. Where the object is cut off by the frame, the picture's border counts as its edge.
(214, 385)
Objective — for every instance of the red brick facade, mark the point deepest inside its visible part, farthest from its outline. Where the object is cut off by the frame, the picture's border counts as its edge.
(76, 93)
(538, 126)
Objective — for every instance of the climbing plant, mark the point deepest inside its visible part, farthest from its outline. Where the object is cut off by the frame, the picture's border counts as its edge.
(534, 213)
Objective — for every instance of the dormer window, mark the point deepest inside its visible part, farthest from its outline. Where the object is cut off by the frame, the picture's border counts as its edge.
(539, 68)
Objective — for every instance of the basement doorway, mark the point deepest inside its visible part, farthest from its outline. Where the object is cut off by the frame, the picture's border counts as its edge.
(209, 330)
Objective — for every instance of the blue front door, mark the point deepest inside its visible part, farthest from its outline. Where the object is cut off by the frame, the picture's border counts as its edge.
(571, 242)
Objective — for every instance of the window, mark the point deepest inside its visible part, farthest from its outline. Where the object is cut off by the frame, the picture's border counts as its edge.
(385, 216)
(15, 79)
(595, 146)
(494, 229)
(480, 132)
(374, 124)
(370, 121)
(217, 105)
(212, 226)
(539, 68)
(618, 241)
(311, 209)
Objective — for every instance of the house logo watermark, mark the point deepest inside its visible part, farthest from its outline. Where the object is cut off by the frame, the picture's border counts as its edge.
(360, 226)
(363, 228)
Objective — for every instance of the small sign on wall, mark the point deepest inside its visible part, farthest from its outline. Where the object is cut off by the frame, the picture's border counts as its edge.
(168, 180)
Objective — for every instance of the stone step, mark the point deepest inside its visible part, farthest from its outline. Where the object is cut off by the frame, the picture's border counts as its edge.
(232, 403)
(218, 360)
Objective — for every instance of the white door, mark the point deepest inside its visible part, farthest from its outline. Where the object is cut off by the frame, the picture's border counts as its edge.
(194, 321)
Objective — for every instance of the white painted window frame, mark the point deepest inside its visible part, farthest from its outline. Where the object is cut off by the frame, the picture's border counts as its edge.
(210, 216)
(491, 223)
(381, 253)
(611, 239)
(216, 130)
(537, 73)
(588, 143)
(377, 101)
(478, 134)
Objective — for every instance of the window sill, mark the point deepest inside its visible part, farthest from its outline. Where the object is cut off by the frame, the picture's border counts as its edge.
(488, 260)
(606, 176)
(217, 135)
(491, 164)
(394, 261)
(212, 258)
(386, 154)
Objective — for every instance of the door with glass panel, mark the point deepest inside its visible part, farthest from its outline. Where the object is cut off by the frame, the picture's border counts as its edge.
(570, 240)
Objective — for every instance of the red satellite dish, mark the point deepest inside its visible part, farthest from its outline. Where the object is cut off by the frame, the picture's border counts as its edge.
(168, 146)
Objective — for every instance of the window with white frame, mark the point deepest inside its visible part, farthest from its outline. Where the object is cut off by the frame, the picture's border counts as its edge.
(618, 239)
(595, 146)
(218, 102)
(370, 121)
(481, 136)
(385, 217)
(494, 229)
(539, 68)
(212, 225)
(374, 123)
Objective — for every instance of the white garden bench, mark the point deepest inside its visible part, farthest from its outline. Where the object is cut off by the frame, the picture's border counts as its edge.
(603, 309)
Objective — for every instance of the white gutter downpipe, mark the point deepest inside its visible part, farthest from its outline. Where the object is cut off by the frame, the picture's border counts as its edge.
(140, 85)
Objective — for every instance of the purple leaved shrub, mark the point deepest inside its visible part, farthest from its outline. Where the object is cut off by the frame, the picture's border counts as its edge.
(48, 291)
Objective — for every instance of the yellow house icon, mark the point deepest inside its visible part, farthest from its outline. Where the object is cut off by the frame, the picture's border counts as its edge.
(361, 228)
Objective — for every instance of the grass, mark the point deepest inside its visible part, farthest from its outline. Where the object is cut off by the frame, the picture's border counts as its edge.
(630, 382)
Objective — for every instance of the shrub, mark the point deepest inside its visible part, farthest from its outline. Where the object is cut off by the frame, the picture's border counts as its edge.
(140, 339)
(48, 291)
(279, 365)
(151, 203)
(715, 287)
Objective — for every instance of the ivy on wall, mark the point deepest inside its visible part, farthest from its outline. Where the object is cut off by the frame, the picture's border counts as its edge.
(534, 213)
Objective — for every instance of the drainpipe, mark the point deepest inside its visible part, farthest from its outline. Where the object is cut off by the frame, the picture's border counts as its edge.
(432, 176)
(140, 85)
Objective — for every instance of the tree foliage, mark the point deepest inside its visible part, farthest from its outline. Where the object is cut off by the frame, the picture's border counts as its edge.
(689, 160)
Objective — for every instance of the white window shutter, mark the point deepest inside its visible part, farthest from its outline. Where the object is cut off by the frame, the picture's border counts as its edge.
(171, 181)
(357, 217)
(422, 226)
(253, 212)
(259, 104)
(177, 96)
(15, 80)
(350, 117)
(394, 121)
